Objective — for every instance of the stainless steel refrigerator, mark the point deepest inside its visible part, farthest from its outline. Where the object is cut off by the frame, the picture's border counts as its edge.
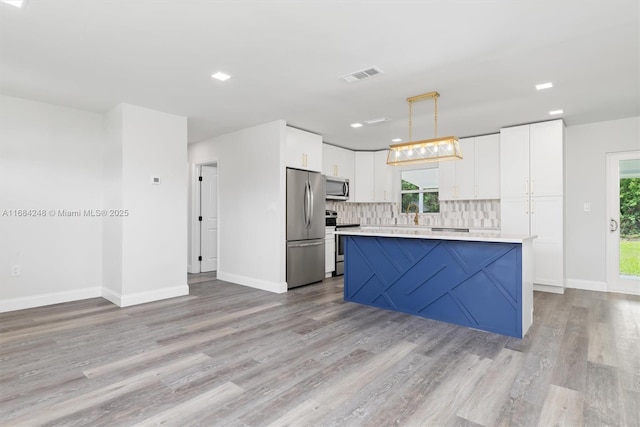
(305, 227)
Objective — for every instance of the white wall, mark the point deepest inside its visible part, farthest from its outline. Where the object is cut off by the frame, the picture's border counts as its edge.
(112, 197)
(58, 159)
(154, 233)
(585, 182)
(251, 204)
(50, 159)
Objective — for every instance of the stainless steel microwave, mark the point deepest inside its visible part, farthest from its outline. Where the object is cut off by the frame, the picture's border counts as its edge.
(337, 188)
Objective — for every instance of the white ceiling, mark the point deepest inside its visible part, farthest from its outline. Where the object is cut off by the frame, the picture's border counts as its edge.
(285, 57)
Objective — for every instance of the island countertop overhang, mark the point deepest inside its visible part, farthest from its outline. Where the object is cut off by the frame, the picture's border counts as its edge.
(427, 233)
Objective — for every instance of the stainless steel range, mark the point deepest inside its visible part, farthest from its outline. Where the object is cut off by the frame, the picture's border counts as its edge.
(331, 219)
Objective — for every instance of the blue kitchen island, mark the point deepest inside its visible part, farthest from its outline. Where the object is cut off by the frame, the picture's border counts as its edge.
(480, 280)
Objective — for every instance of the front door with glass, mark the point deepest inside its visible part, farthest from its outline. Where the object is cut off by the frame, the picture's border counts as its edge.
(623, 206)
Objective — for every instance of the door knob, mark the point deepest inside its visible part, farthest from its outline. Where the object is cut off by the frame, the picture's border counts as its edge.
(613, 225)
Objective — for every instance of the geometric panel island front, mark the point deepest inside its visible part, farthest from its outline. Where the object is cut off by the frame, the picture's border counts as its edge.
(480, 280)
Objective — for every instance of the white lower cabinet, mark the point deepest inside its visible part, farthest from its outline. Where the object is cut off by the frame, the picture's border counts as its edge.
(540, 216)
(329, 251)
(547, 224)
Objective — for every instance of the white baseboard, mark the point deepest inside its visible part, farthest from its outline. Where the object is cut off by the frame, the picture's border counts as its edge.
(548, 288)
(264, 285)
(112, 296)
(587, 285)
(13, 304)
(127, 300)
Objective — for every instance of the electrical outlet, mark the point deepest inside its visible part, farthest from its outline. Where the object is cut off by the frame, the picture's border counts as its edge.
(15, 270)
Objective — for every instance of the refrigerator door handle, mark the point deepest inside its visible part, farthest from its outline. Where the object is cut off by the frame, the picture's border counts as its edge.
(304, 245)
(310, 205)
(305, 206)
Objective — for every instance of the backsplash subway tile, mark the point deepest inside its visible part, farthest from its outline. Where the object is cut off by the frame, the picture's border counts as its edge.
(460, 214)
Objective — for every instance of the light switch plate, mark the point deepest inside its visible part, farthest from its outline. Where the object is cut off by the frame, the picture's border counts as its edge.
(587, 207)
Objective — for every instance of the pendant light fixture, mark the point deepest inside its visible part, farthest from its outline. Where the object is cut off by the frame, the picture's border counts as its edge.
(427, 150)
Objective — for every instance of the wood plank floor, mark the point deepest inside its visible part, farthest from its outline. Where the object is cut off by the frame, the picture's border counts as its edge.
(227, 355)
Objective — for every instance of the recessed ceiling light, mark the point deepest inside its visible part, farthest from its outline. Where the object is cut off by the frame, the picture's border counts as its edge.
(356, 125)
(378, 120)
(396, 140)
(556, 112)
(15, 3)
(546, 85)
(221, 76)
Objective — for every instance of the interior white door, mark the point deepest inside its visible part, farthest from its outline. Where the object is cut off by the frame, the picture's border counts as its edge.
(209, 223)
(623, 238)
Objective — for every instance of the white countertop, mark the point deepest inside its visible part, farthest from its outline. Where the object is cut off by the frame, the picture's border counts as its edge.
(409, 232)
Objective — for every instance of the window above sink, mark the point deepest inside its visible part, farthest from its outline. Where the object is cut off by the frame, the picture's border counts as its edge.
(420, 186)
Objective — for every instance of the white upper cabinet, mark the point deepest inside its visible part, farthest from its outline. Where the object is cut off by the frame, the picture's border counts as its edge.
(338, 162)
(533, 160)
(514, 167)
(364, 177)
(487, 171)
(303, 150)
(476, 175)
(546, 158)
(383, 177)
(373, 177)
(465, 170)
(447, 179)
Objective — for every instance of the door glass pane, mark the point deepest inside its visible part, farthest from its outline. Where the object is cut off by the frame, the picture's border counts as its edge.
(630, 218)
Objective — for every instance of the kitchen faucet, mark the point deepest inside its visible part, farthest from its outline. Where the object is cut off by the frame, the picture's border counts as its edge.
(415, 219)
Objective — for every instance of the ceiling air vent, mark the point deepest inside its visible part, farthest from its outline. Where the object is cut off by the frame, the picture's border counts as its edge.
(362, 74)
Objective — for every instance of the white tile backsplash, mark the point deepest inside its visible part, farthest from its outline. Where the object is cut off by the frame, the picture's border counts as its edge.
(461, 214)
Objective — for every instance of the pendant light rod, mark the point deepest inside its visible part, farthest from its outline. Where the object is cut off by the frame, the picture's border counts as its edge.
(423, 97)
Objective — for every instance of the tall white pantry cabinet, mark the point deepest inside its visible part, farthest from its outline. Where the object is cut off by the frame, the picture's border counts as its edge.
(532, 194)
